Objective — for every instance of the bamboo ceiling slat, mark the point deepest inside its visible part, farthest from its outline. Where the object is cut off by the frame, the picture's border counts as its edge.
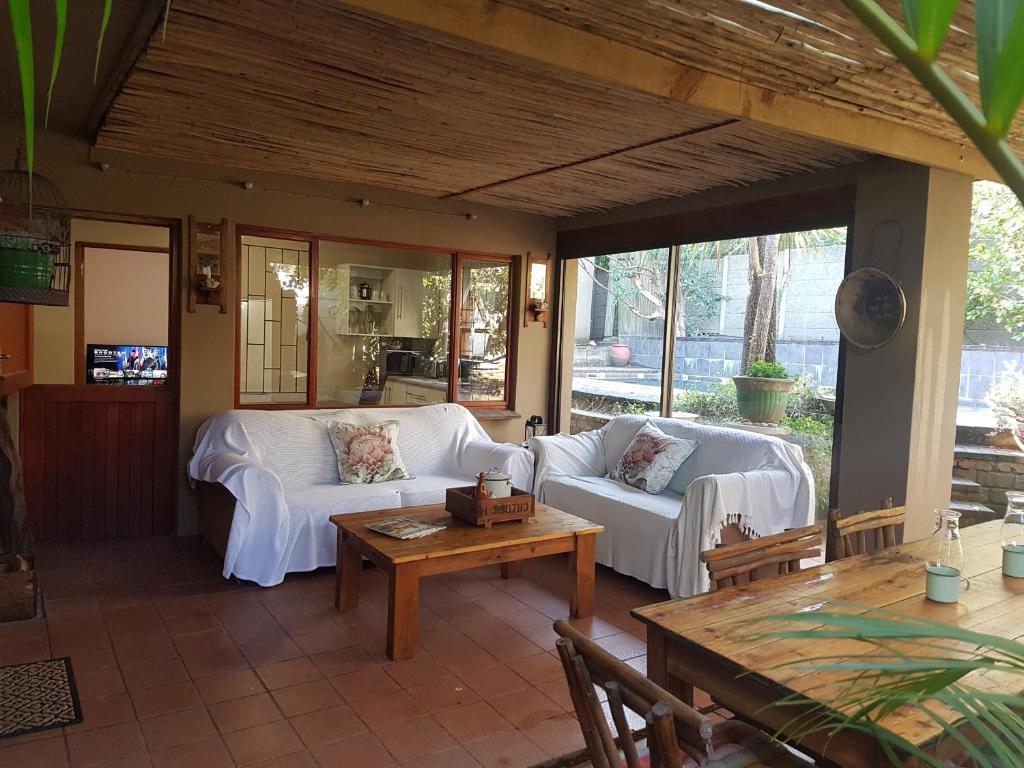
(740, 154)
(810, 47)
(315, 89)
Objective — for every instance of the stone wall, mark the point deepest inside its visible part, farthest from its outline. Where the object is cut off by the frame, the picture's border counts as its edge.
(987, 474)
(585, 421)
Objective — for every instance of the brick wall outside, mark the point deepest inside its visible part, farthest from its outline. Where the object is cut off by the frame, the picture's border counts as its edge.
(996, 472)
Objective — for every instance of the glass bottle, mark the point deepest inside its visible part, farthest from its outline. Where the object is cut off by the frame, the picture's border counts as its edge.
(1012, 535)
(945, 559)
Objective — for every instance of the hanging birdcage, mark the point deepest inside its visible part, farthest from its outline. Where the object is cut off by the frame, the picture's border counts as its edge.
(35, 238)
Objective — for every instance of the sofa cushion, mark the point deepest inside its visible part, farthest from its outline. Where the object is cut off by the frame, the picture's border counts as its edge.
(652, 459)
(322, 501)
(637, 525)
(367, 453)
(429, 489)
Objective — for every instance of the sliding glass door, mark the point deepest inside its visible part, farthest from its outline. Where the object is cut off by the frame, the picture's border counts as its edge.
(619, 350)
(732, 302)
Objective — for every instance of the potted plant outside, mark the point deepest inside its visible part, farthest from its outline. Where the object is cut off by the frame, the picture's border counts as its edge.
(1007, 401)
(619, 355)
(763, 393)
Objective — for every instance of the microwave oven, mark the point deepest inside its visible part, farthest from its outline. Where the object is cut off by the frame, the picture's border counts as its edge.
(402, 361)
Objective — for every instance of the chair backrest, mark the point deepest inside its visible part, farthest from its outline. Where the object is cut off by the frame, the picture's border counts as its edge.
(865, 532)
(673, 728)
(762, 558)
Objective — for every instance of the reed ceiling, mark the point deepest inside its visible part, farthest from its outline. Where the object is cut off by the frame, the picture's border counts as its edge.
(320, 89)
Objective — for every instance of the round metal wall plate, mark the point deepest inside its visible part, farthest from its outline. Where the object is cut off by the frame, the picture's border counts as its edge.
(870, 308)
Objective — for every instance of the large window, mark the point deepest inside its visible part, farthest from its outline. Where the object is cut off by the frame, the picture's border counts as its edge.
(732, 302)
(273, 351)
(393, 325)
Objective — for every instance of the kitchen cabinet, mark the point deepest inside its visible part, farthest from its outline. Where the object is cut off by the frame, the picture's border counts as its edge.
(15, 347)
(408, 297)
(373, 316)
(421, 394)
(394, 392)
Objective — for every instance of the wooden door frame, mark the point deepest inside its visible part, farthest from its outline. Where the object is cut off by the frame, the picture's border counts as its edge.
(79, 270)
(175, 227)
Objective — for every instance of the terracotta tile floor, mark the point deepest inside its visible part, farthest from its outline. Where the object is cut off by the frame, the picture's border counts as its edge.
(178, 667)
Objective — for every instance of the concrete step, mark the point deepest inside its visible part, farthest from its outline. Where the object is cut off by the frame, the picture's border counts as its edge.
(987, 453)
(964, 489)
(973, 513)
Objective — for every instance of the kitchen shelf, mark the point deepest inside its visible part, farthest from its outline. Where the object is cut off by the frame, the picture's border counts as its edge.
(370, 301)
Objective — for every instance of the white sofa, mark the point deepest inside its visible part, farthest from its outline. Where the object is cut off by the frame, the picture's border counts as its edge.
(760, 483)
(281, 471)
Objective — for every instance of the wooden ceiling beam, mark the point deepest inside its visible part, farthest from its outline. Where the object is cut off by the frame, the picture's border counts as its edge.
(542, 40)
(702, 131)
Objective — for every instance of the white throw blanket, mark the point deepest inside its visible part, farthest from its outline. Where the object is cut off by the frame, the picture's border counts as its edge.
(282, 470)
(759, 483)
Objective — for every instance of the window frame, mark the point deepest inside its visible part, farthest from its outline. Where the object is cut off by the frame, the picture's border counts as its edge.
(313, 307)
(512, 323)
(515, 262)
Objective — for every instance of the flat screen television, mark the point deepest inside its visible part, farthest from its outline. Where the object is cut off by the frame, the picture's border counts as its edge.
(137, 364)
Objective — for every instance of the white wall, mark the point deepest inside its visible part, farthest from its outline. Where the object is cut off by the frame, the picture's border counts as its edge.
(126, 297)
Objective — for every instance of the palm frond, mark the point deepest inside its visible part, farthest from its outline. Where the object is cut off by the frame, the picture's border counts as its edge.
(61, 11)
(914, 665)
(21, 26)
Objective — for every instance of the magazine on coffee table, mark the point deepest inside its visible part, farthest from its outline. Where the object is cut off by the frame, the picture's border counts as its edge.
(404, 528)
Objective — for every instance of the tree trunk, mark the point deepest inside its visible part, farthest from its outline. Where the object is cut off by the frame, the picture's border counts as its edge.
(599, 300)
(14, 535)
(760, 317)
(753, 292)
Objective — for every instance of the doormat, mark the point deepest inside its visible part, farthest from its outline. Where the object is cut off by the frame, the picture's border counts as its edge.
(36, 696)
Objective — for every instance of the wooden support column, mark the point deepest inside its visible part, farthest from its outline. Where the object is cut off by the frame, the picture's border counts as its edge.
(900, 401)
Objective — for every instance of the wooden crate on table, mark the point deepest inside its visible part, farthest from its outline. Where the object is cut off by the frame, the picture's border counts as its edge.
(461, 503)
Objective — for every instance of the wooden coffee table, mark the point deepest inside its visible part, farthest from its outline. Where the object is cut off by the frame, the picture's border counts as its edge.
(458, 548)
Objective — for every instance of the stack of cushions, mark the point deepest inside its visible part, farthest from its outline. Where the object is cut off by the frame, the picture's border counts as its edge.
(652, 459)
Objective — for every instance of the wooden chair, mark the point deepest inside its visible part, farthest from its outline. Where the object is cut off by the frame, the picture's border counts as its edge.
(865, 532)
(762, 558)
(675, 731)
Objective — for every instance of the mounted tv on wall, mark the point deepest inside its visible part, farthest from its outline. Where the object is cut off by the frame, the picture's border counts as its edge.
(135, 364)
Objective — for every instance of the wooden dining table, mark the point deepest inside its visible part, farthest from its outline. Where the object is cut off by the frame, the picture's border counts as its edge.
(715, 641)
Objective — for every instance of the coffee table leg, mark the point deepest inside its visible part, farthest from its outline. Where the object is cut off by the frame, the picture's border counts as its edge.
(349, 566)
(581, 571)
(403, 612)
(512, 570)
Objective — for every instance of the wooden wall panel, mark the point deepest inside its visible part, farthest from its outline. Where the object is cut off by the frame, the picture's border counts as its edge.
(15, 347)
(98, 461)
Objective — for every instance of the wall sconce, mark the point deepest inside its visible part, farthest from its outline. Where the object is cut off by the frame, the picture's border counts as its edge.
(536, 291)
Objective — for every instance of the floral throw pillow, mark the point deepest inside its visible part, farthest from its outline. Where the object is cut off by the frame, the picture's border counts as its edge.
(367, 453)
(651, 459)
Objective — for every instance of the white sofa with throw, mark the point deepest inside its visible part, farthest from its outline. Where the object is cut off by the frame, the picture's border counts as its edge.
(759, 483)
(282, 474)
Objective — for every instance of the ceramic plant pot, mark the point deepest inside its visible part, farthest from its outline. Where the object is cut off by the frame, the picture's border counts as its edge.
(1018, 433)
(620, 355)
(760, 400)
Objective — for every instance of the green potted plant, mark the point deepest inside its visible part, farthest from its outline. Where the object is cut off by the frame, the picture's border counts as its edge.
(1007, 401)
(762, 394)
